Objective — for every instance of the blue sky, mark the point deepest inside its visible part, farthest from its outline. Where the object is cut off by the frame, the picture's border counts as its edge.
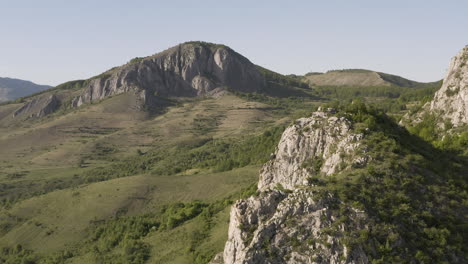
(50, 42)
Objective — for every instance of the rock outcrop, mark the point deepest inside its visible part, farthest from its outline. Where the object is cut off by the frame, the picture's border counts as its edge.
(288, 222)
(320, 144)
(39, 106)
(189, 69)
(451, 100)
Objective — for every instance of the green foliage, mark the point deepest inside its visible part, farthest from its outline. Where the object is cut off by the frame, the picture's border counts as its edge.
(123, 234)
(218, 155)
(387, 98)
(296, 106)
(136, 60)
(414, 194)
(286, 80)
(427, 128)
(17, 255)
(353, 92)
(71, 85)
(457, 143)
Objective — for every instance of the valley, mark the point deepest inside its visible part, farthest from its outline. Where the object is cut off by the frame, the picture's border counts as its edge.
(153, 161)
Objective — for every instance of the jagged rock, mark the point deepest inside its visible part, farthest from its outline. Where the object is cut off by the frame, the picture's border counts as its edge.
(451, 100)
(38, 107)
(189, 69)
(293, 226)
(290, 228)
(320, 144)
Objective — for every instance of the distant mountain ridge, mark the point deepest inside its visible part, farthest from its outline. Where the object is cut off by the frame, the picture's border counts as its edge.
(358, 77)
(194, 69)
(190, 69)
(11, 89)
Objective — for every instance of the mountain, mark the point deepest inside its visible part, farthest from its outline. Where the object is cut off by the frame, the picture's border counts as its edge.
(151, 144)
(358, 77)
(191, 69)
(11, 89)
(350, 186)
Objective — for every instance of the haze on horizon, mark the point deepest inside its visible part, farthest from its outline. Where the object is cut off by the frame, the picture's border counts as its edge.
(52, 41)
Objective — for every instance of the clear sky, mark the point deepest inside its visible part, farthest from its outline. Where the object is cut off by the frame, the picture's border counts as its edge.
(52, 41)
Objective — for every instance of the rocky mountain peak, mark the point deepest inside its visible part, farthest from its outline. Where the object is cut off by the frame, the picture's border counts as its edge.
(189, 69)
(451, 100)
(320, 144)
(287, 215)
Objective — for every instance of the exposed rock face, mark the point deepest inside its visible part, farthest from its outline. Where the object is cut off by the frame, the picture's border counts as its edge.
(291, 226)
(190, 69)
(319, 144)
(38, 107)
(451, 100)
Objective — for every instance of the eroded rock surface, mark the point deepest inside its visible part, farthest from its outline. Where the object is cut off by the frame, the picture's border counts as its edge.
(299, 225)
(451, 100)
(189, 69)
(320, 144)
(278, 227)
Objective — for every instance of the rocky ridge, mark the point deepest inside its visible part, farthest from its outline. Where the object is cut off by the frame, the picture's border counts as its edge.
(287, 222)
(451, 100)
(189, 69)
(320, 144)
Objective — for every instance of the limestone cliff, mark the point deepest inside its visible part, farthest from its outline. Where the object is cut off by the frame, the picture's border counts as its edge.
(189, 69)
(288, 223)
(322, 143)
(451, 100)
(351, 186)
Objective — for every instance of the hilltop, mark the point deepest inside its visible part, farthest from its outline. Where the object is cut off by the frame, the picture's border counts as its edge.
(358, 77)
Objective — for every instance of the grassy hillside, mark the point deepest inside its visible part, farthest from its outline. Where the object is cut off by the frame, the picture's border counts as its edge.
(108, 183)
(359, 77)
(70, 176)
